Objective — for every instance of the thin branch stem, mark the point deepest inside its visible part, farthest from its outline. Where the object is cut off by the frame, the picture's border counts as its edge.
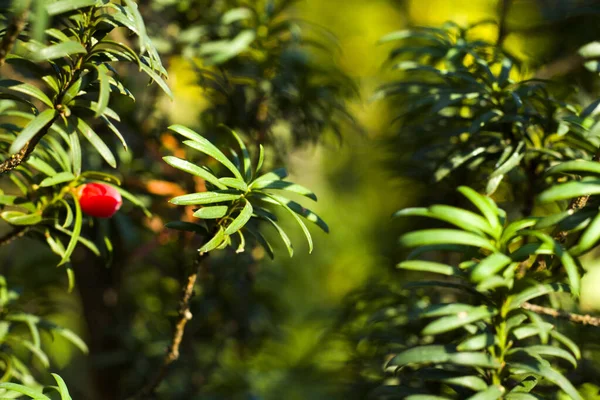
(561, 66)
(14, 160)
(184, 315)
(12, 33)
(551, 312)
(14, 234)
(502, 22)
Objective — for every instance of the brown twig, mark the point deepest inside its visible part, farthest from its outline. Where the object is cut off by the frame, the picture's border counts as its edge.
(183, 316)
(551, 312)
(14, 234)
(14, 160)
(502, 21)
(12, 33)
(561, 66)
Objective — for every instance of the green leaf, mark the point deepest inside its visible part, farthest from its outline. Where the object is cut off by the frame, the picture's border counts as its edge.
(211, 151)
(156, 78)
(444, 236)
(104, 92)
(62, 388)
(246, 161)
(469, 381)
(40, 122)
(65, 333)
(35, 351)
(63, 6)
(474, 359)
(295, 216)
(430, 354)
(41, 166)
(522, 396)
(302, 211)
(284, 185)
(213, 243)
(75, 234)
(452, 322)
(455, 161)
(101, 176)
(453, 215)
(274, 175)
(437, 354)
(190, 168)
(201, 144)
(33, 394)
(572, 270)
(218, 52)
(489, 266)
(55, 245)
(528, 330)
(589, 238)
(487, 208)
(234, 183)
(477, 342)
(87, 243)
(568, 343)
(114, 130)
(526, 385)
(30, 321)
(211, 212)
(59, 50)
(428, 266)
(569, 190)
(133, 199)
(284, 237)
(72, 91)
(261, 240)
(480, 122)
(27, 89)
(542, 350)
(538, 321)
(75, 147)
(539, 367)
(97, 142)
(204, 198)
(493, 392)
(536, 291)
(579, 167)
(241, 220)
(551, 220)
(19, 218)
(261, 159)
(61, 177)
(439, 310)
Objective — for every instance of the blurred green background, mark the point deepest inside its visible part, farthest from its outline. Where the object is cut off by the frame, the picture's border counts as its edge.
(262, 329)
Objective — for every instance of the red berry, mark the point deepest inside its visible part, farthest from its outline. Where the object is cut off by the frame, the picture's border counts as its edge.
(99, 200)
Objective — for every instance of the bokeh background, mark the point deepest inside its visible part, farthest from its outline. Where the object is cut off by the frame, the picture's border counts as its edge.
(289, 328)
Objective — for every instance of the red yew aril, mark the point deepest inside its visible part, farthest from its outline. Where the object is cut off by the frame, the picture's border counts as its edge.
(99, 200)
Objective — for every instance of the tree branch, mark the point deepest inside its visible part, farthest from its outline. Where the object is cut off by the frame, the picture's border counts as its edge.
(184, 315)
(502, 29)
(561, 66)
(14, 234)
(14, 160)
(12, 33)
(551, 312)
